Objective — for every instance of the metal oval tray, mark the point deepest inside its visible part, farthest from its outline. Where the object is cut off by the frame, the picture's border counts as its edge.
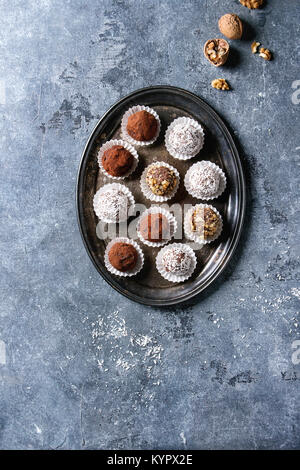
(148, 287)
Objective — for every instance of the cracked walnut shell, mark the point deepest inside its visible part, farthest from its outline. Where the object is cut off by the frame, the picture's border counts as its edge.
(220, 84)
(265, 53)
(252, 4)
(216, 51)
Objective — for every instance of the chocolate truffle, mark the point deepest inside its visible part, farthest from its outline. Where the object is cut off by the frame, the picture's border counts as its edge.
(231, 26)
(161, 180)
(204, 180)
(111, 205)
(154, 227)
(142, 126)
(185, 139)
(206, 222)
(123, 256)
(177, 261)
(117, 160)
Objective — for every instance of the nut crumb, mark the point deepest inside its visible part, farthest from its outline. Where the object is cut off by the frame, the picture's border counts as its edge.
(265, 53)
(252, 4)
(220, 84)
(254, 47)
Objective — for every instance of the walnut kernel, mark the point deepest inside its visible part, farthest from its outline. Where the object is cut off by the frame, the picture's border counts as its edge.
(252, 4)
(254, 47)
(220, 84)
(265, 53)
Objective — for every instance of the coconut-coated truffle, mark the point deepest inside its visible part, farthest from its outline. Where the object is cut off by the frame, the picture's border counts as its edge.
(204, 180)
(142, 126)
(117, 160)
(123, 256)
(176, 260)
(111, 204)
(154, 227)
(161, 180)
(185, 139)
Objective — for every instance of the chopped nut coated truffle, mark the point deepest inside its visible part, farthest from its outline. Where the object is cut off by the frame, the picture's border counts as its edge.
(206, 222)
(161, 180)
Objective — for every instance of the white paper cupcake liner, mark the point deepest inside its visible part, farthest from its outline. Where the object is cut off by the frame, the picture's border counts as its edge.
(175, 277)
(193, 193)
(124, 122)
(147, 191)
(172, 222)
(192, 235)
(97, 202)
(140, 260)
(127, 146)
(183, 121)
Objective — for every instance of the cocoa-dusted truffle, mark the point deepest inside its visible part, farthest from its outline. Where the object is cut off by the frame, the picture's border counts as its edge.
(176, 260)
(231, 26)
(185, 139)
(154, 227)
(161, 180)
(117, 160)
(206, 222)
(142, 126)
(123, 256)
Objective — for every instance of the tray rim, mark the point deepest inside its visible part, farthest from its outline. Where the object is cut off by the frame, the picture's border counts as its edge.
(241, 200)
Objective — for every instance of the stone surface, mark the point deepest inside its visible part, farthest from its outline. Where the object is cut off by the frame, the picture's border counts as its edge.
(81, 366)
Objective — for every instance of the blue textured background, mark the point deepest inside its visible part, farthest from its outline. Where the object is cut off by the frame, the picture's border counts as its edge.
(81, 366)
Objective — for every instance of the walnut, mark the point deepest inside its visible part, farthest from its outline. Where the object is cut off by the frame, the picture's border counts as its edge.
(231, 26)
(216, 51)
(252, 4)
(220, 84)
(265, 53)
(254, 47)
